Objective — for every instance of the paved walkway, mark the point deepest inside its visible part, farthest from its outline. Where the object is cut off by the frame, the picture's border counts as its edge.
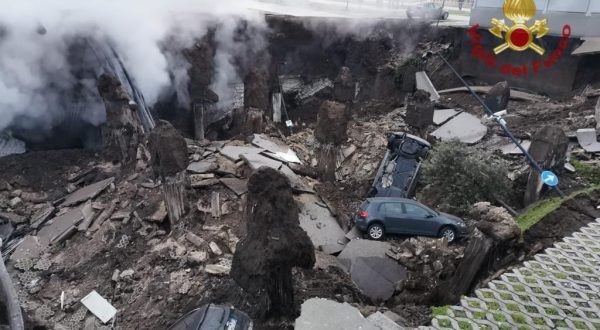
(560, 289)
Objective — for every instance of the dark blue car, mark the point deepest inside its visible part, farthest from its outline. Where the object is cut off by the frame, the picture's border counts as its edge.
(378, 216)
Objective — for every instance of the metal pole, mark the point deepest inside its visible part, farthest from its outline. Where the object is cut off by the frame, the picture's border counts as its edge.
(500, 122)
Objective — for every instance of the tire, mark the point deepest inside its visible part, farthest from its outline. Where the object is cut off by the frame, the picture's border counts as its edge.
(448, 232)
(376, 231)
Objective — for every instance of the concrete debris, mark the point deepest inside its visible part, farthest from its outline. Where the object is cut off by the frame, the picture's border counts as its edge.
(512, 149)
(256, 161)
(238, 186)
(218, 269)
(34, 197)
(319, 224)
(313, 88)
(87, 192)
(442, 116)
(215, 204)
(423, 83)
(13, 218)
(198, 241)
(383, 322)
(15, 201)
(201, 167)
(465, 127)
(199, 184)
(373, 272)
(495, 222)
(214, 248)
(197, 257)
(324, 314)
(60, 227)
(99, 306)
(30, 248)
(344, 88)
(160, 214)
(279, 151)
(588, 140)
(126, 273)
(88, 217)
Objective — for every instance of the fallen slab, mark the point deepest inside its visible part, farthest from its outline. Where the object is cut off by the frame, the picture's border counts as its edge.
(320, 225)
(373, 272)
(238, 186)
(87, 192)
(273, 149)
(512, 149)
(424, 83)
(383, 322)
(465, 127)
(588, 139)
(295, 180)
(61, 226)
(442, 116)
(256, 161)
(205, 166)
(324, 314)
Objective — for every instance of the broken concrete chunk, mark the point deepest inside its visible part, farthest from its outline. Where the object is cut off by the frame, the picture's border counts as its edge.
(202, 167)
(160, 214)
(324, 314)
(465, 127)
(126, 273)
(203, 183)
(99, 306)
(238, 186)
(197, 257)
(442, 116)
(34, 197)
(30, 248)
(88, 217)
(497, 98)
(383, 322)
(13, 218)
(587, 138)
(214, 248)
(295, 180)
(87, 192)
(120, 215)
(217, 269)
(41, 215)
(15, 201)
(195, 239)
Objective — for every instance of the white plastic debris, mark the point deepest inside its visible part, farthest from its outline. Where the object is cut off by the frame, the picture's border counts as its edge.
(99, 306)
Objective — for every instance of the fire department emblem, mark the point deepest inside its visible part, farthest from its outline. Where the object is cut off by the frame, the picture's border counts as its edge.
(519, 36)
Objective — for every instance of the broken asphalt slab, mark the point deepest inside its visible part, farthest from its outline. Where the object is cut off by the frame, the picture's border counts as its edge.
(588, 140)
(201, 167)
(234, 152)
(465, 127)
(256, 161)
(60, 226)
(87, 192)
(324, 314)
(442, 116)
(238, 186)
(373, 272)
(320, 225)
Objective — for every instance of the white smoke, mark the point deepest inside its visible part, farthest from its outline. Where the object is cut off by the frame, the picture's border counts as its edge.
(35, 36)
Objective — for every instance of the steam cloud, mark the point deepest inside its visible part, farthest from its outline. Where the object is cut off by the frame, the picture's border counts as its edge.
(35, 36)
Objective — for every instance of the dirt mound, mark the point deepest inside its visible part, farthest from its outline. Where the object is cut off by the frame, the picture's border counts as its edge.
(273, 245)
(568, 218)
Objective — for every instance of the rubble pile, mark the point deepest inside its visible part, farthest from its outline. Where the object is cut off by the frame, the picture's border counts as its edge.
(495, 222)
(429, 261)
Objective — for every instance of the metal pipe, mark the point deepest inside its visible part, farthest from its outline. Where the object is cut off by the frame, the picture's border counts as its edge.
(532, 161)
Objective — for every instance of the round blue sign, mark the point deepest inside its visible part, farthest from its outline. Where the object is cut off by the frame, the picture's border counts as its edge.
(550, 178)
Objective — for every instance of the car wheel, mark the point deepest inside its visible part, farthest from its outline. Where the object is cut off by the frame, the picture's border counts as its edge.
(449, 233)
(445, 16)
(376, 231)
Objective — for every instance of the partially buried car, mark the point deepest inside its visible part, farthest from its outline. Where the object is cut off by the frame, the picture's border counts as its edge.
(384, 215)
(427, 11)
(213, 317)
